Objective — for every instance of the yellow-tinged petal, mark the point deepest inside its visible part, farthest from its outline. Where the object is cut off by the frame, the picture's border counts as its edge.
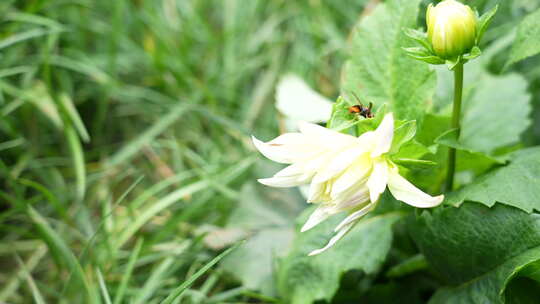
(383, 136)
(378, 179)
(357, 173)
(340, 162)
(316, 192)
(406, 192)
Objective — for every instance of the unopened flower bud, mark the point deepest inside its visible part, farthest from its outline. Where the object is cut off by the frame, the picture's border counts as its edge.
(451, 28)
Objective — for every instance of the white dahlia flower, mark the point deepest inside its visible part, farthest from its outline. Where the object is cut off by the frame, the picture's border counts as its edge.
(345, 173)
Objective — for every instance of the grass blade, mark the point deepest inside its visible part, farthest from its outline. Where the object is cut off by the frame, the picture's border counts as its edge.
(127, 274)
(77, 156)
(162, 124)
(71, 112)
(62, 252)
(103, 287)
(180, 289)
(158, 207)
(150, 286)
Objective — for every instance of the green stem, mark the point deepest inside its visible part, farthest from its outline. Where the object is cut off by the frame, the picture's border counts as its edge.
(456, 115)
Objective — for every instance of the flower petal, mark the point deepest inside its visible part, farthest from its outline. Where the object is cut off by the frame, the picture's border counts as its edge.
(406, 192)
(325, 137)
(355, 176)
(355, 216)
(384, 136)
(316, 192)
(286, 148)
(352, 199)
(283, 181)
(292, 170)
(377, 180)
(319, 215)
(339, 163)
(333, 240)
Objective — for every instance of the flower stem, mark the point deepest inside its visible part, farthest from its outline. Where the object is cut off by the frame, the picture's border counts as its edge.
(456, 115)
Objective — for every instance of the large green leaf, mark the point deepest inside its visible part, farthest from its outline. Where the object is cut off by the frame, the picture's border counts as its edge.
(496, 109)
(527, 43)
(303, 279)
(517, 184)
(478, 250)
(268, 215)
(496, 113)
(379, 70)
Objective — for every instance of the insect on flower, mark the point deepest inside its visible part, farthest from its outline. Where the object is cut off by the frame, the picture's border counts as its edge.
(360, 109)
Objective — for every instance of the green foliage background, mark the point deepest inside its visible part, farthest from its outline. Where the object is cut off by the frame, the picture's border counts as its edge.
(126, 168)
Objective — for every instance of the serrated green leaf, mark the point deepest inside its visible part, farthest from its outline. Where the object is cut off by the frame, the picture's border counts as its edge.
(526, 43)
(477, 250)
(378, 70)
(304, 279)
(450, 139)
(470, 163)
(496, 113)
(517, 184)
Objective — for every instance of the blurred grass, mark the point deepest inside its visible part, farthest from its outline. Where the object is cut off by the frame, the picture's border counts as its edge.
(125, 127)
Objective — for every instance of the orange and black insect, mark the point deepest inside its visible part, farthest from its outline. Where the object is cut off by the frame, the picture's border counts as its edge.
(360, 109)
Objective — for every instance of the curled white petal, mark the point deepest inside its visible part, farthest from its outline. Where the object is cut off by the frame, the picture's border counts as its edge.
(377, 180)
(406, 192)
(355, 216)
(333, 240)
(384, 134)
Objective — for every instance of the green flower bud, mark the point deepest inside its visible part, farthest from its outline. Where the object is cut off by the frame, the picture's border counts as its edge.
(451, 28)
